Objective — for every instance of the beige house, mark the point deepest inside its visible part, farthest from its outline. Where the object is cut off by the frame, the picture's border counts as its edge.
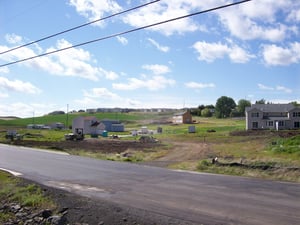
(272, 116)
(182, 117)
(89, 124)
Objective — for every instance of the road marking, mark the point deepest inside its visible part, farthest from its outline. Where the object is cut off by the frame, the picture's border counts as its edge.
(14, 173)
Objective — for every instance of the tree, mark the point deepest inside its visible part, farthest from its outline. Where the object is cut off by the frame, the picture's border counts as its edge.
(224, 106)
(242, 104)
(56, 113)
(295, 103)
(206, 112)
(262, 101)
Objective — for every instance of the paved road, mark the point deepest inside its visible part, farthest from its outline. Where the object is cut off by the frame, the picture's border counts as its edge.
(193, 197)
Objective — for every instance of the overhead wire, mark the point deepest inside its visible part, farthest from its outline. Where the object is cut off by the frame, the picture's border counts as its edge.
(128, 31)
(80, 26)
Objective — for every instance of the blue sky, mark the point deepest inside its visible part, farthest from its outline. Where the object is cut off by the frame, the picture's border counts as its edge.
(249, 51)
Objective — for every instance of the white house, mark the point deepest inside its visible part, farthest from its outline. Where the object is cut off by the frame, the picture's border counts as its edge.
(272, 116)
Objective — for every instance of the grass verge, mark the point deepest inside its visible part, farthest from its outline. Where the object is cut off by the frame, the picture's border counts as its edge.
(14, 191)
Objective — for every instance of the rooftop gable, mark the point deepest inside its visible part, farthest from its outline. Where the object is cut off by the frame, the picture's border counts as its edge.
(271, 107)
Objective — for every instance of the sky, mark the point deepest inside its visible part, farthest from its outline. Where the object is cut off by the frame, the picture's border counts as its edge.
(247, 51)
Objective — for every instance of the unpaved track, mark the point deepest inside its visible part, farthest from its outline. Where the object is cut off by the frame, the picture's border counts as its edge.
(182, 152)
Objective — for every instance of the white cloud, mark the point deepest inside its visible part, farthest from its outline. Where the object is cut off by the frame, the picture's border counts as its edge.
(18, 86)
(279, 88)
(101, 93)
(162, 11)
(154, 83)
(279, 56)
(294, 15)
(4, 70)
(257, 20)
(157, 69)
(26, 109)
(73, 62)
(93, 10)
(13, 38)
(102, 96)
(264, 87)
(158, 46)
(284, 89)
(122, 40)
(3, 95)
(209, 52)
(195, 85)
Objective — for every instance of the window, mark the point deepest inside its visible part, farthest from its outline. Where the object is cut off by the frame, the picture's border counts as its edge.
(297, 124)
(281, 123)
(254, 125)
(296, 114)
(256, 114)
(271, 124)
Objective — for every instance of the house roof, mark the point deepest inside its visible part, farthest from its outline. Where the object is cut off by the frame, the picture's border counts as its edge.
(180, 113)
(271, 107)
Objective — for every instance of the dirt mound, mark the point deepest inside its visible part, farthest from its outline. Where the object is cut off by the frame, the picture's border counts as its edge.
(95, 145)
(279, 133)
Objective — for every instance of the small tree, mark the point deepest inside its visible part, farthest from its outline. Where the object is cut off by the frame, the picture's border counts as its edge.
(242, 104)
(224, 106)
(206, 112)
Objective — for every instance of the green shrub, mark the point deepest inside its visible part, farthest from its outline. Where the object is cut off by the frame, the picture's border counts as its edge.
(203, 165)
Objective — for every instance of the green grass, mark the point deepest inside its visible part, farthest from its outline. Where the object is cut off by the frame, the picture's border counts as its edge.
(14, 191)
(287, 145)
(64, 118)
(279, 172)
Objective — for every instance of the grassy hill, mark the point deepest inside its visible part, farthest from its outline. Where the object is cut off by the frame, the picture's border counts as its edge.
(68, 118)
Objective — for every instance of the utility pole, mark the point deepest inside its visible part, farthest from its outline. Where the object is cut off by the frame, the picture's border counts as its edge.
(67, 119)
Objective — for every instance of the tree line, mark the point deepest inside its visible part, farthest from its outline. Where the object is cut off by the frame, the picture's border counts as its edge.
(226, 107)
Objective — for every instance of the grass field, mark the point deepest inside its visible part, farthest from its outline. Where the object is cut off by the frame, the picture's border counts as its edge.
(268, 154)
(15, 191)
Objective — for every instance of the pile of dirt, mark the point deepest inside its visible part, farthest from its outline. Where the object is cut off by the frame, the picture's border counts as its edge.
(280, 133)
(95, 145)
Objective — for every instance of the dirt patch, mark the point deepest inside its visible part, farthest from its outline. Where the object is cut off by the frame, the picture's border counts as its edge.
(94, 145)
(274, 133)
(183, 152)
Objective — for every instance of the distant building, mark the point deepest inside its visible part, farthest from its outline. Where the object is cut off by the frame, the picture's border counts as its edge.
(57, 126)
(272, 116)
(182, 117)
(113, 125)
(89, 124)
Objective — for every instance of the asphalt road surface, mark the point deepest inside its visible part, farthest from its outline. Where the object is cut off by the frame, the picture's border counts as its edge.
(192, 197)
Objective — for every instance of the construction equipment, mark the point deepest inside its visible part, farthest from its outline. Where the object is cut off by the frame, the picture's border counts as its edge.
(77, 136)
(148, 139)
(12, 135)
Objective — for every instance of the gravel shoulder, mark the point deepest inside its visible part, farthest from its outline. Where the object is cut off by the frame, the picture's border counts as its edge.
(82, 211)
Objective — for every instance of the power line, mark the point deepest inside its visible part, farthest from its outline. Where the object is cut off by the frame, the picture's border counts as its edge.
(127, 32)
(80, 26)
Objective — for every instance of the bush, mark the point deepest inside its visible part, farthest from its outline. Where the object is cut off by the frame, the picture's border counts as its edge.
(203, 164)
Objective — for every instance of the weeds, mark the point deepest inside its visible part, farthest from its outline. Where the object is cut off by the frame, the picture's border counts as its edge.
(26, 195)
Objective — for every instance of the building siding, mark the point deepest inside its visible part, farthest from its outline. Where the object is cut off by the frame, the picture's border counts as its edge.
(272, 116)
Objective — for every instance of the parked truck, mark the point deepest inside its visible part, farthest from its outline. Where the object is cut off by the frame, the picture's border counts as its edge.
(76, 136)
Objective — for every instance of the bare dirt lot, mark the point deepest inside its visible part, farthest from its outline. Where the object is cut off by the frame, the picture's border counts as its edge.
(95, 145)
